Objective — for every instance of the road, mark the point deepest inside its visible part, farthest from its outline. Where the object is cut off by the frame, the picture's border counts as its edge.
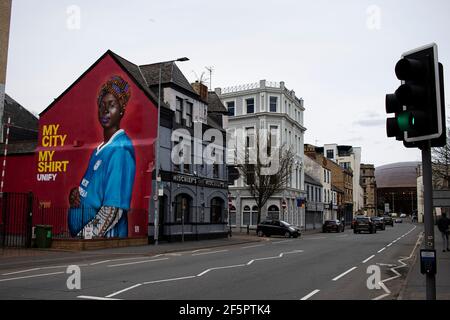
(331, 266)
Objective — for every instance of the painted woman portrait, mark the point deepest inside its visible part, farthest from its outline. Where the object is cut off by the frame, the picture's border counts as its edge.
(100, 203)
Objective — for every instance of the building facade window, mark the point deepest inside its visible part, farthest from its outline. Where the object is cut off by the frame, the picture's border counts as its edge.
(182, 208)
(250, 104)
(217, 209)
(232, 213)
(215, 170)
(254, 215)
(330, 154)
(178, 110)
(188, 120)
(273, 212)
(246, 216)
(231, 108)
(273, 104)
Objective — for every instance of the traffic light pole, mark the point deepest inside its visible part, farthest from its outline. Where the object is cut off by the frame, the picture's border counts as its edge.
(428, 215)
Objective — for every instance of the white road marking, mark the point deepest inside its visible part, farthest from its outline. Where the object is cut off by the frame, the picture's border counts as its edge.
(121, 291)
(388, 292)
(343, 274)
(99, 262)
(167, 280)
(37, 269)
(386, 264)
(203, 272)
(203, 253)
(16, 272)
(33, 276)
(137, 262)
(256, 245)
(390, 244)
(382, 249)
(95, 298)
(310, 295)
(198, 250)
(283, 241)
(218, 268)
(368, 258)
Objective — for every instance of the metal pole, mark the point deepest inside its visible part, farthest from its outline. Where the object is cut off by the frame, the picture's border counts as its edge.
(428, 215)
(182, 225)
(156, 196)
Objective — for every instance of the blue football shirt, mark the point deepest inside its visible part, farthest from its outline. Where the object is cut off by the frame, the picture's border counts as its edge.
(108, 181)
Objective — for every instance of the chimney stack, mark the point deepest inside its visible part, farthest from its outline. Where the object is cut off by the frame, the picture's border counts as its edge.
(201, 90)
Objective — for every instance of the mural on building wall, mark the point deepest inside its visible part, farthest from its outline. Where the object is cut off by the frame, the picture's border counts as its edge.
(95, 155)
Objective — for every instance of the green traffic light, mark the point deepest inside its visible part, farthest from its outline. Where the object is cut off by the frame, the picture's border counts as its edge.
(405, 121)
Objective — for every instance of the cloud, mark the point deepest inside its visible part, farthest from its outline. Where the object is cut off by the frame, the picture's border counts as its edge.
(369, 118)
(370, 122)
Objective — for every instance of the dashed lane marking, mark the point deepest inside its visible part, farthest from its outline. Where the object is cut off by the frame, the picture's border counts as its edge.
(310, 295)
(343, 274)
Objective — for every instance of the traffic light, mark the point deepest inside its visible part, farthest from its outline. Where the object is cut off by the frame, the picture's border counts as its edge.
(418, 104)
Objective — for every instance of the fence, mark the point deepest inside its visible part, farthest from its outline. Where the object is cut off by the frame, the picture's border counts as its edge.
(20, 212)
(15, 219)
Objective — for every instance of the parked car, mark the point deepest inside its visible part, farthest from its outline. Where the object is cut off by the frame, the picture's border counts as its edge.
(333, 225)
(277, 228)
(398, 220)
(364, 224)
(388, 220)
(379, 223)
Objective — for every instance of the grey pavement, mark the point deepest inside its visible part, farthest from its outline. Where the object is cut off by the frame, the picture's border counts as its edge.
(415, 285)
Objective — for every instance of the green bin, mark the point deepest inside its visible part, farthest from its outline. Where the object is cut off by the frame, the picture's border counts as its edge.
(43, 236)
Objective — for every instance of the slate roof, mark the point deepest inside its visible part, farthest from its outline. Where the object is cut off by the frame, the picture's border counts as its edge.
(24, 125)
(20, 147)
(137, 74)
(133, 71)
(311, 180)
(170, 73)
(336, 188)
(215, 104)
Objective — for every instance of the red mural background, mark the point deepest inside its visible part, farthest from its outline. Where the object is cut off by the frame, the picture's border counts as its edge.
(69, 131)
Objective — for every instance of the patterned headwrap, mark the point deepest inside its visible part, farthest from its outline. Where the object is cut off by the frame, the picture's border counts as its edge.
(117, 87)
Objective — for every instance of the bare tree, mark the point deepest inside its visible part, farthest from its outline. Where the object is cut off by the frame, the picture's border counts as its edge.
(440, 158)
(254, 171)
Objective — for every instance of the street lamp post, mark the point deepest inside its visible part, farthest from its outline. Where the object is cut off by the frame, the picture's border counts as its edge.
(157, 177)
(393, 203)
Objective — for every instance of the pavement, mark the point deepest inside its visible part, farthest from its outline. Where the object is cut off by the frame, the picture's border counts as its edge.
(415, 285)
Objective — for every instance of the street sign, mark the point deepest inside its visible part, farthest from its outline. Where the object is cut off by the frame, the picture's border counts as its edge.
(386, 207)
(441, 198)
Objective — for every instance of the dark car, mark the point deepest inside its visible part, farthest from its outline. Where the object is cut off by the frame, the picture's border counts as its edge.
(354, 220)
(333, 225)
(364, 224)
(398, 220)
(388, 220)
(277, 228)
(379, 223)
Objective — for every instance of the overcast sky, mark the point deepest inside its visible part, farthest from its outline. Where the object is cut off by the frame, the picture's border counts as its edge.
(339, 56)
